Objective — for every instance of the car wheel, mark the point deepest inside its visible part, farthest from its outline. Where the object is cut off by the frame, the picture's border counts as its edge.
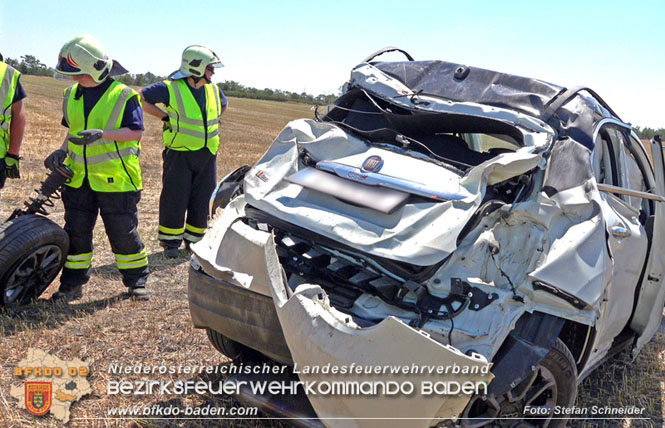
(232, 349)
(33, 250)
(532, 403)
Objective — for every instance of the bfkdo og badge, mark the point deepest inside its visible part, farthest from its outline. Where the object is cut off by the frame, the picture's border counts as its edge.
(38, 397)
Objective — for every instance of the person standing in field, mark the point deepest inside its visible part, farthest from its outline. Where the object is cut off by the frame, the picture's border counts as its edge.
(12, 121)
(105, 123)
(191, 138)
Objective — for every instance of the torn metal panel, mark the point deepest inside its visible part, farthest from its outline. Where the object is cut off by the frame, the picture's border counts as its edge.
(317, 334)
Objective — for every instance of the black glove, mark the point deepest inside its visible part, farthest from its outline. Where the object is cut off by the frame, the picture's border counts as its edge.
(55, 159)
(11, 166)
(166, 123)
(86, 137)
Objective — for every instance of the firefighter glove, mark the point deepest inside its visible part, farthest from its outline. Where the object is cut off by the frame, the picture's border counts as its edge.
(86, 137)
(55, 159)
(11, 166)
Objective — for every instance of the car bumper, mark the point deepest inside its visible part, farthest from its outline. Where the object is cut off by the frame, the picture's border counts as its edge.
(240, 315)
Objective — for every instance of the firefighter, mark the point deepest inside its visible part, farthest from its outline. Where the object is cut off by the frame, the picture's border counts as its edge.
(12, 121)
(105, 123)
(191, 138)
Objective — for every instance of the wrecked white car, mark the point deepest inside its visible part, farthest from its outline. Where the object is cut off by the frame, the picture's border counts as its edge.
(439, 215)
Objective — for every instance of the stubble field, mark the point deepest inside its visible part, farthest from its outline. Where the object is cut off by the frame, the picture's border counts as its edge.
(104, 328)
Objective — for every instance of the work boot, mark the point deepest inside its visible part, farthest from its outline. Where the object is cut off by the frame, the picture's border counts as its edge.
(67, 293)
(171, 252)
(138, 293)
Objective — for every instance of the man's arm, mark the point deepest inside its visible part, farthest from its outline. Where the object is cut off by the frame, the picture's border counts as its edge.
(223, 100)
(152, 95)
(123, 134)
(152, 109)
(16, 128)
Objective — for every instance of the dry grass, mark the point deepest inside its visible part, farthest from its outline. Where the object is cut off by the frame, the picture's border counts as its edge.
(103, 328)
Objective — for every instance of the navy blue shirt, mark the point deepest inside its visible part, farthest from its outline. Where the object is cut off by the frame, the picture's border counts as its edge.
(159, 93)
(19, 94)
(132, 117)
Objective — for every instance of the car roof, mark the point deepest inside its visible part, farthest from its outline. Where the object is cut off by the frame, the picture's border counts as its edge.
(575, 117)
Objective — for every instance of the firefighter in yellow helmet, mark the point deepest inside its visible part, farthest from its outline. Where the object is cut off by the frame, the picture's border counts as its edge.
(12, 121)
(105, 123)
(191, 139)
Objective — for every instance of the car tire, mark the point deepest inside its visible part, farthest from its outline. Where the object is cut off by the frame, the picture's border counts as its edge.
(33, 250)
(555, 375)
(232, 349)
(228, 188)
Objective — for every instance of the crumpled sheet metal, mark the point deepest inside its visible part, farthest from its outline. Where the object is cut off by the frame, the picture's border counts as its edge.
(376, 81)
(560, 241)
(421, 234)
(317, 334)
(234, 252)
(578, 260)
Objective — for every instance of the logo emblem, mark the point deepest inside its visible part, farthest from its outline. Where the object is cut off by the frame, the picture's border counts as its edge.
(372, 164)
(38, 397)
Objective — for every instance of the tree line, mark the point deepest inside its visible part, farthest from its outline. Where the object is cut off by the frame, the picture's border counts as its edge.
(235, 89)
(649, 133)
(30, 65)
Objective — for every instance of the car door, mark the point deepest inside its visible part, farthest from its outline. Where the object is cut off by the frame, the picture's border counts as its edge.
(617, 174)
(649, 309)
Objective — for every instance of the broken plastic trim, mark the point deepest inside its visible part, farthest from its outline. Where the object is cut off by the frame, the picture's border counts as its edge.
(386, 50)
(578, 303)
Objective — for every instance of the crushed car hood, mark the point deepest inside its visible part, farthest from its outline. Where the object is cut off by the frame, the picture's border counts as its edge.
(421, 232)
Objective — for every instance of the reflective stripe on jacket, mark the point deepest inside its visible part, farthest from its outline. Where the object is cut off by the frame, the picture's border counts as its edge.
(111, 166)
(8, 83)
(188, 131)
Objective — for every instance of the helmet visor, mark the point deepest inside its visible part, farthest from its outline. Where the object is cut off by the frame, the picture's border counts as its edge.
(67, 66)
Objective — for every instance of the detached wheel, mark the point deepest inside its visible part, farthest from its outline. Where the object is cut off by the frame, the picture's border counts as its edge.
(532, 403)
(33, 250)
(232, 349)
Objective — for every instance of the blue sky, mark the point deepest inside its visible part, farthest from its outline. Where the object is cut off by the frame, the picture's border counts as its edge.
(613, 47)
